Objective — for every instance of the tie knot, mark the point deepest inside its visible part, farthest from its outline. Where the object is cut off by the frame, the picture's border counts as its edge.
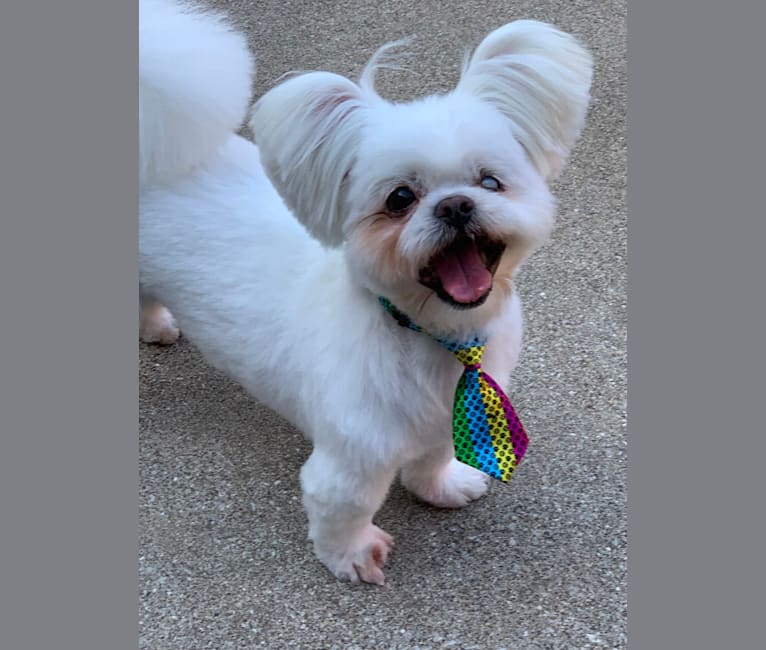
(470, 356)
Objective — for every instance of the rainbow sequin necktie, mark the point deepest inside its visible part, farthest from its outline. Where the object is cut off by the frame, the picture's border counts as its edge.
(486, 431)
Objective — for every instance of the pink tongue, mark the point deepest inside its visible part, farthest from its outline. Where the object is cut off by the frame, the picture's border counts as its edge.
(462, 273)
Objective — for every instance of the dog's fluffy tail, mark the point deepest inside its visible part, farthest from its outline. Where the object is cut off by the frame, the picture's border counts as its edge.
(195, 83)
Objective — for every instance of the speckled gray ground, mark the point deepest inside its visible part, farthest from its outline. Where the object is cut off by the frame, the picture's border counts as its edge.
(224, 560)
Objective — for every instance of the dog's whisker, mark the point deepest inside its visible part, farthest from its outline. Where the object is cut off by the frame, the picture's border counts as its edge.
(420, 309)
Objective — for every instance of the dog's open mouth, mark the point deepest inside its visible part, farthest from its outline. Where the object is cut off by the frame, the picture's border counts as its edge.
(461, 273)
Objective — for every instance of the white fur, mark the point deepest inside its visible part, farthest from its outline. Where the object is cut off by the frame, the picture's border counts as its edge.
(539, 77)
(298, 324)
(194, 86)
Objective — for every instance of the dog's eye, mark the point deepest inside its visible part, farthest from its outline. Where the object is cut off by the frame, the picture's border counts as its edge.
(490, 183)
(400, 199)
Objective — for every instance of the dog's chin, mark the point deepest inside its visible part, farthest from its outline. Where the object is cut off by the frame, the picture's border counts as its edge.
(461, 274)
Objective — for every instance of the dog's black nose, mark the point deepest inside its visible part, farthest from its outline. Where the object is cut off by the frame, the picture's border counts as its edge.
(455, 210)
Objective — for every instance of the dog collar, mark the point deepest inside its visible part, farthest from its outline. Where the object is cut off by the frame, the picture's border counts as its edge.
(487, 433)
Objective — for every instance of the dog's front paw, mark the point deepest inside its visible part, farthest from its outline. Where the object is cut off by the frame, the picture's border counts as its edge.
(453, 486)
(362, 559)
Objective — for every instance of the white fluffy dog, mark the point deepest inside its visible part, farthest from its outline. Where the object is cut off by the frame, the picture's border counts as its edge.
(272, 258)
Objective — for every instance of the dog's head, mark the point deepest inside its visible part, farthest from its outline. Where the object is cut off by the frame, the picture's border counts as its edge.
(439, 200)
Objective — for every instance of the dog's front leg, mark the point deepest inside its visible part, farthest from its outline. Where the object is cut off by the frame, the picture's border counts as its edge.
(341, 495)
(440, 479)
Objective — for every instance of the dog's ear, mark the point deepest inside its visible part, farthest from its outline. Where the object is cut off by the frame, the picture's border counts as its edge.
(538, 77)
(307, 130)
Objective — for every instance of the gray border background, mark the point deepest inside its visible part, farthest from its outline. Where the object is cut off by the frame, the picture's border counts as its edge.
(696, 352)
(68, 271)
(68, 393)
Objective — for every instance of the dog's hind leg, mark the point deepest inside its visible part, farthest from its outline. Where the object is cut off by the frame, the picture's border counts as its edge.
(156, 324)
